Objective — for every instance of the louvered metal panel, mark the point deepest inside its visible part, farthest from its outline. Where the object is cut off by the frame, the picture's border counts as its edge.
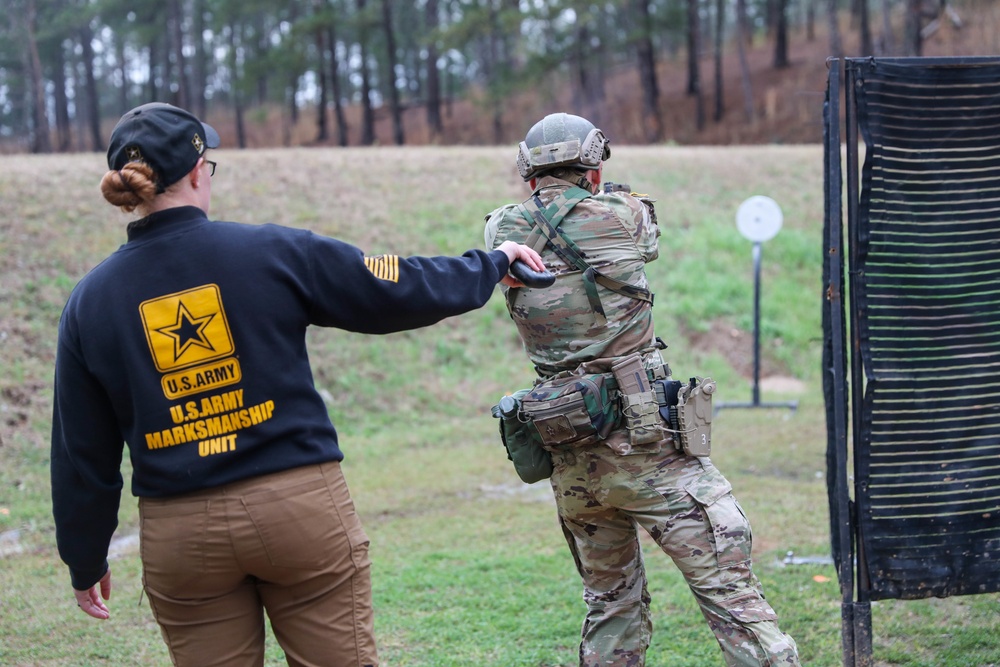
(926, 285)
(915, 380)
(924, 241)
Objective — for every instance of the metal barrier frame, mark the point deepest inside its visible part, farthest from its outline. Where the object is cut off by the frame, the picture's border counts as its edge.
(843, 372)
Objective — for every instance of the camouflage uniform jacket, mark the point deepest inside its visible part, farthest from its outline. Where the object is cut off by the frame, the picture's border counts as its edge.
(618, 235)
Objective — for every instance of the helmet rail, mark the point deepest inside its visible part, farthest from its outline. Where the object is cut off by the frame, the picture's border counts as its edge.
(570, 152)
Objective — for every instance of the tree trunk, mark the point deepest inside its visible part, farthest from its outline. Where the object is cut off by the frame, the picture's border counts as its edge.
(513, 56)
(290, 114)
(64, 128)
(598, 70)
(864, 28)
(200, 60)
(152, 89)
(693, 28)
(497, 112)
(652, 122)
(780, 35)
(261, 53)
(588, 53)
(888, 46)
(235, 44)
(175, 19)
(434, 125)
(92, 96)
(836, 50)
(335, 92)
(123, 97)
(582, 95)
(367, 114)
(720, 22)
(449, 88)
(492, 72)
(914, 40)
(393, 62)
(322, 130)
(694, 72)
(40, 140)
(742, 31)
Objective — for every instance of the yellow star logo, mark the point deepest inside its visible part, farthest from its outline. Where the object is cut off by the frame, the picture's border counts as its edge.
(133, 153)
(186, 328)
(199, 145)
(187, 331)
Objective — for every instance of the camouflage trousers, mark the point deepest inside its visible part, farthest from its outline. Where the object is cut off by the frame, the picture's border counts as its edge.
(688, 508)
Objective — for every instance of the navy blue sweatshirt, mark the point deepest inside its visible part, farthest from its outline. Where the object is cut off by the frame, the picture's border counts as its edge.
(188, 344)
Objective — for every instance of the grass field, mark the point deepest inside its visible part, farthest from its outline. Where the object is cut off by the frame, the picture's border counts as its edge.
(469, 565)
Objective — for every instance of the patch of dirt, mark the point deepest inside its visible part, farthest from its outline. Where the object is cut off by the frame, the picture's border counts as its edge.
(736, 346)
(15, 404)
(779, 384)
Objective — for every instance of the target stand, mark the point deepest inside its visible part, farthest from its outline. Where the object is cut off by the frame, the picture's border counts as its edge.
(758, 219)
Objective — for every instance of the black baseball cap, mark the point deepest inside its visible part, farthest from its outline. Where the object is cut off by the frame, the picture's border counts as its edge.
(167, 138)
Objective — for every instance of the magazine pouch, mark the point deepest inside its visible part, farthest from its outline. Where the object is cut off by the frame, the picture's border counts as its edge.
(571, 410)
(640, 409)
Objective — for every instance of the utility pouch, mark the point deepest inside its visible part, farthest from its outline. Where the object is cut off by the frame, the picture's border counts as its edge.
(688, 411)
(570, 411)
(521, 440)
(640, 409)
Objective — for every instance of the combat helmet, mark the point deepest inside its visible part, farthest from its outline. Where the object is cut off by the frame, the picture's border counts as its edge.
(561, 140)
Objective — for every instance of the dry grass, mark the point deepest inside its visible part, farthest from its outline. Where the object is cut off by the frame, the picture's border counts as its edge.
(436, 494)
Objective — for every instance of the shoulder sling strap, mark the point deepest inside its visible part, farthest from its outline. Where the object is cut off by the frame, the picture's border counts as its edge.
(546, 225)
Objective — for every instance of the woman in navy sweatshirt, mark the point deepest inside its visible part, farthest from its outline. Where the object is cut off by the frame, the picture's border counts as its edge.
(188, 345)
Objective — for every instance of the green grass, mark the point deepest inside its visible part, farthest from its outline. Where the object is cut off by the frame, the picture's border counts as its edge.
(470, 567)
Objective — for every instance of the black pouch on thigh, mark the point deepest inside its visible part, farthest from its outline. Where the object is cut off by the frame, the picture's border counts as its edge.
(520, 438)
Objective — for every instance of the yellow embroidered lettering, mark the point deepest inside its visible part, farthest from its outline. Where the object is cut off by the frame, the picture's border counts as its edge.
(176, 415)
(214, 426)
(221, 445)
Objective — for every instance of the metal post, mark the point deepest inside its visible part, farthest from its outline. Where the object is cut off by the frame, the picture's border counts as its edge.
(861, 614)
(756, 324)
(755, 390)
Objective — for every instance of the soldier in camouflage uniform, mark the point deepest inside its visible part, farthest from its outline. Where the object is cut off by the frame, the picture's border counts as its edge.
(604, 491)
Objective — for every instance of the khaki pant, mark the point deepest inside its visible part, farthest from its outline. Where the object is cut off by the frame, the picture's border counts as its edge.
(686, 505)
(289, 544)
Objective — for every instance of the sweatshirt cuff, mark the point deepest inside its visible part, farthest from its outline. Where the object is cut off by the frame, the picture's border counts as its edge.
(84, 580)
(501, 261)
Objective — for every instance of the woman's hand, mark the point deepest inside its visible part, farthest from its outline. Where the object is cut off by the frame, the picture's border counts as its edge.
(90, 602)
(517, 251)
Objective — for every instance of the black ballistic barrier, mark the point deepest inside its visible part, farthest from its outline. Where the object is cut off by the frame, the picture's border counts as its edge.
(912, 385)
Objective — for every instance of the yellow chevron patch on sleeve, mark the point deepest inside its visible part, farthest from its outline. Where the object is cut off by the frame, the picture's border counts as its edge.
(384, 267)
